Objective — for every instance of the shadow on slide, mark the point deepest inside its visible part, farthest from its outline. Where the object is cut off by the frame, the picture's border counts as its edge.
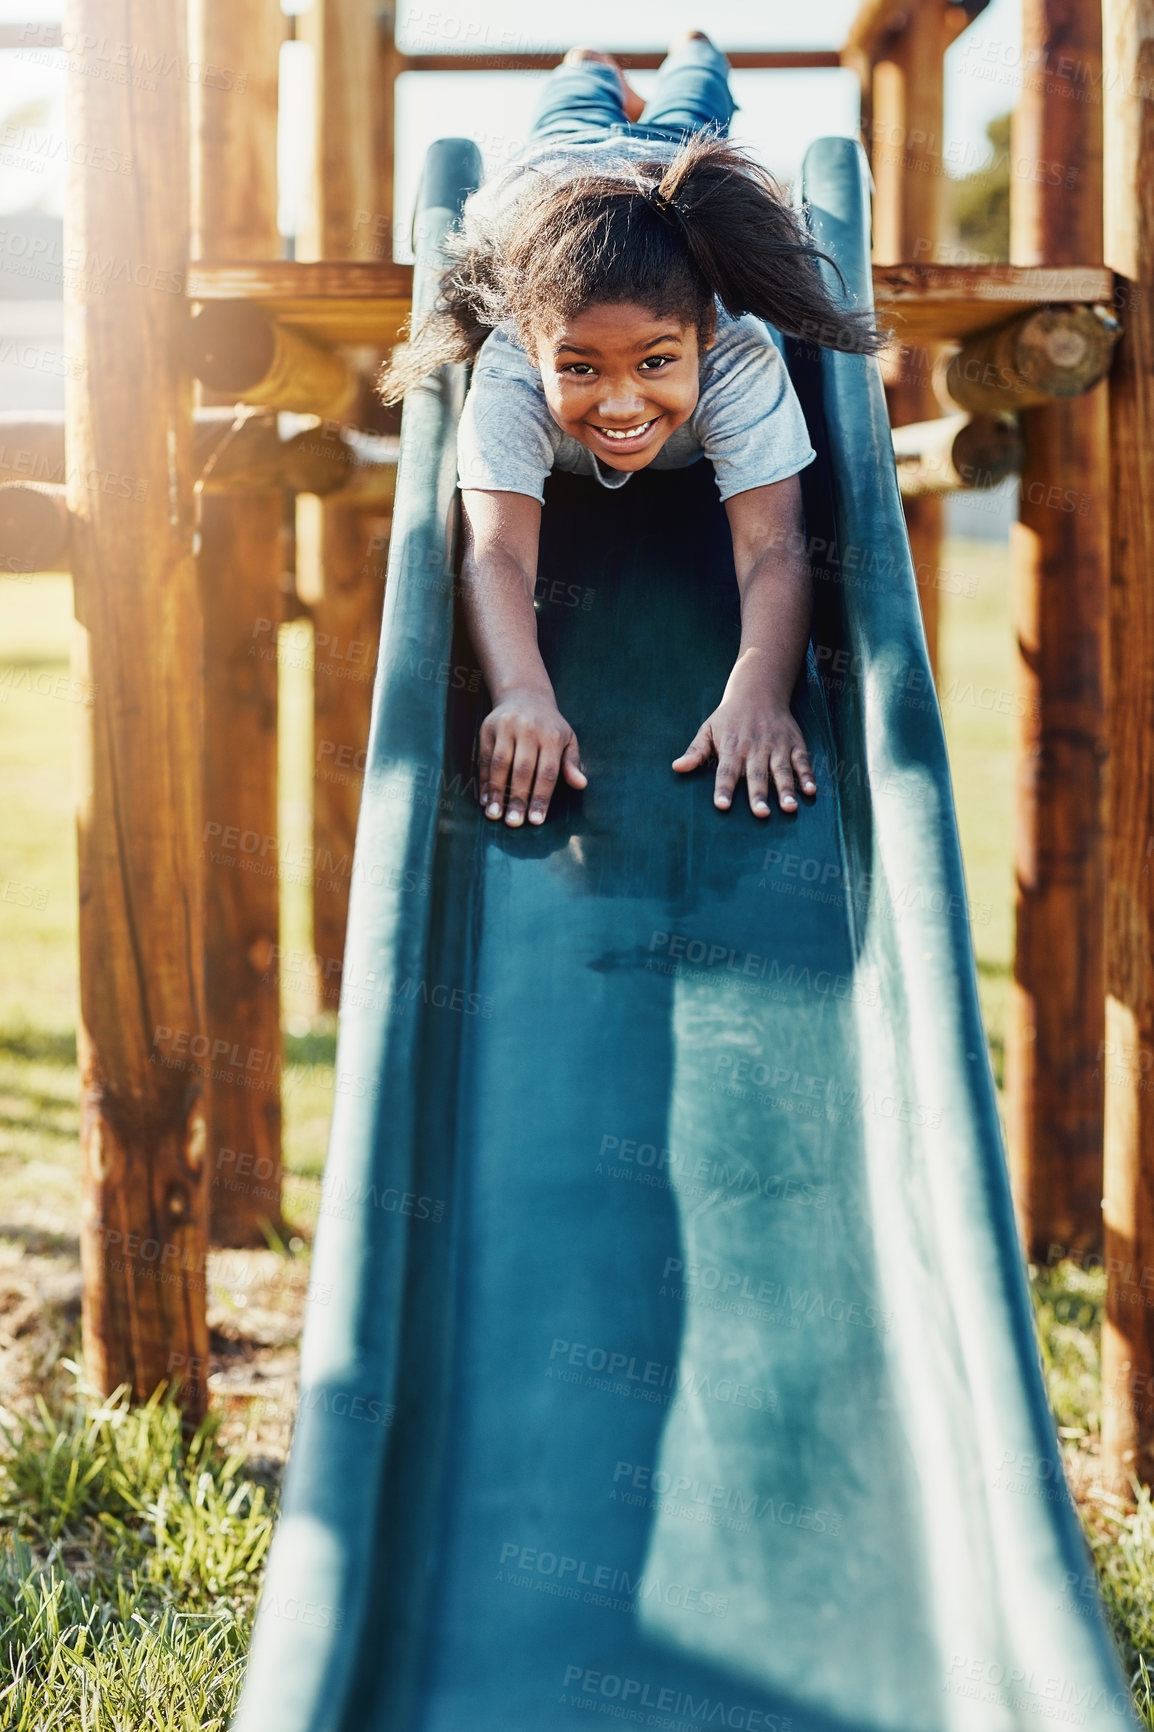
(669, 1356)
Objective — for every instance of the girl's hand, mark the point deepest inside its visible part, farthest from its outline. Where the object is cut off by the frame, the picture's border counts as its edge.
(525, 744)
(754, 738)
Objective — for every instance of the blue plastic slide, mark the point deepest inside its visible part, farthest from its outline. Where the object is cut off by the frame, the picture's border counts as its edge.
(669, 1359)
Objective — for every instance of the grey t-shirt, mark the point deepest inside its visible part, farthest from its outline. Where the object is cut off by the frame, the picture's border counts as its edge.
(747, 421)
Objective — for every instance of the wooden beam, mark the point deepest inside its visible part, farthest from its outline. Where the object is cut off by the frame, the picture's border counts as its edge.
(341, 553)
(955, 453)
(1053, 352)
(367, 303)
(1128, 1042)
(906, 158)
(879, 22)
(243, 352)
(143, 1046)
(641, 60)
(1060, 552)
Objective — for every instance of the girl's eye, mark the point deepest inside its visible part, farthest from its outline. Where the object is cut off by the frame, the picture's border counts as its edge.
(582, 369)
(655, 363)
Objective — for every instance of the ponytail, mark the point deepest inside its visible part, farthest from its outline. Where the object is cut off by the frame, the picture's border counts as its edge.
(675, 237)
(752, 249)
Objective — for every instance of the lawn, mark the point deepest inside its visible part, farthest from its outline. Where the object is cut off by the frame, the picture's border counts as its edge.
(131, 1561)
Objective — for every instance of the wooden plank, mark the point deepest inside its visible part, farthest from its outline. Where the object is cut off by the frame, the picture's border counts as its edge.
(1128, 1050)
(367, 303)
(143, 1046)
(240, 563)
(933, 302)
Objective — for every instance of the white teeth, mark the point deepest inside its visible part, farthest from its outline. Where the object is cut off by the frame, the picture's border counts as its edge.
(624, 432)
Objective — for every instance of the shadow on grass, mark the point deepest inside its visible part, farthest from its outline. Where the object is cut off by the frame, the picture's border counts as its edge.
(39, 1242)
(39, 1045)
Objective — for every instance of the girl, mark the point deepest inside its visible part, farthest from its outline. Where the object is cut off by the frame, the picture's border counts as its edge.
(610, 288)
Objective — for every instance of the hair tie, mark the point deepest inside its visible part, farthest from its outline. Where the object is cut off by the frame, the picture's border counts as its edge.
(670, 210)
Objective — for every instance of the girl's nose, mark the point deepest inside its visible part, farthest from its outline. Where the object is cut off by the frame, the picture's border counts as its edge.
(621, 403)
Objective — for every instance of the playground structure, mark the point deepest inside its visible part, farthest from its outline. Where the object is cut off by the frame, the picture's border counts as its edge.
(171, 516)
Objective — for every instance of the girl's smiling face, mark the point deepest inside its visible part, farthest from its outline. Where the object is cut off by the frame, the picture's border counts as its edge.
(621, 380)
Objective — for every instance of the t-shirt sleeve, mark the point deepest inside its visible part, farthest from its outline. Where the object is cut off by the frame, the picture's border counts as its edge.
(503, 440)
(748, 417)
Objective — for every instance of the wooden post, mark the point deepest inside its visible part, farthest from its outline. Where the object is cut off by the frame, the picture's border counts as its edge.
(906, 155)
(341, 552)
(1128, 1041)
(241, 557)
(1060, 552)
(143, 1048)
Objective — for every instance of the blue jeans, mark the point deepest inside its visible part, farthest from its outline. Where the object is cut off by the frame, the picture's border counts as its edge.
(583, 102)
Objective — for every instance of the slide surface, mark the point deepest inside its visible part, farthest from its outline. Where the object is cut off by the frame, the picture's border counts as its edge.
(669, 1357)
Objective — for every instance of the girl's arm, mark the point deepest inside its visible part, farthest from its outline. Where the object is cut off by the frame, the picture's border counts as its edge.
(752, 733)
(525, 741)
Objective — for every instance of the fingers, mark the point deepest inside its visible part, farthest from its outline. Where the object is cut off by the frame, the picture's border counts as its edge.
(781, 765)
(571, 764)
(762, 763)
(804, 770)
(757, 782)
(699, 750)
(549, 766)
(731, 759)
(493, 765)
(521, 781)
(518, 770)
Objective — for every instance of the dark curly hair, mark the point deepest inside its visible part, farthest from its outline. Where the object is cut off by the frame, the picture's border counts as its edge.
(709, 225)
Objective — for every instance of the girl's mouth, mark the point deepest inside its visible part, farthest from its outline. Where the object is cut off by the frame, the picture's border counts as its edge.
(625, 438)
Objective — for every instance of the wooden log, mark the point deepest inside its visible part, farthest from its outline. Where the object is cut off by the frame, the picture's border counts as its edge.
(231, 454)
(33, 527)
(343, 552)
(1052, 352)
(143, 1049)
(1060, 559)
(249, 456)
(956, 452)
(238, 349)
(243, 351)
(1128, 1043)
(32, 445)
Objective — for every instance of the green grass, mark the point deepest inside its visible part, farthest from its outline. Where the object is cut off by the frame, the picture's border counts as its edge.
(976, 677)
(129, 1570)
(131, 1558)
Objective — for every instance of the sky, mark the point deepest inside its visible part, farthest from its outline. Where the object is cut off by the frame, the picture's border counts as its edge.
(779, 113)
